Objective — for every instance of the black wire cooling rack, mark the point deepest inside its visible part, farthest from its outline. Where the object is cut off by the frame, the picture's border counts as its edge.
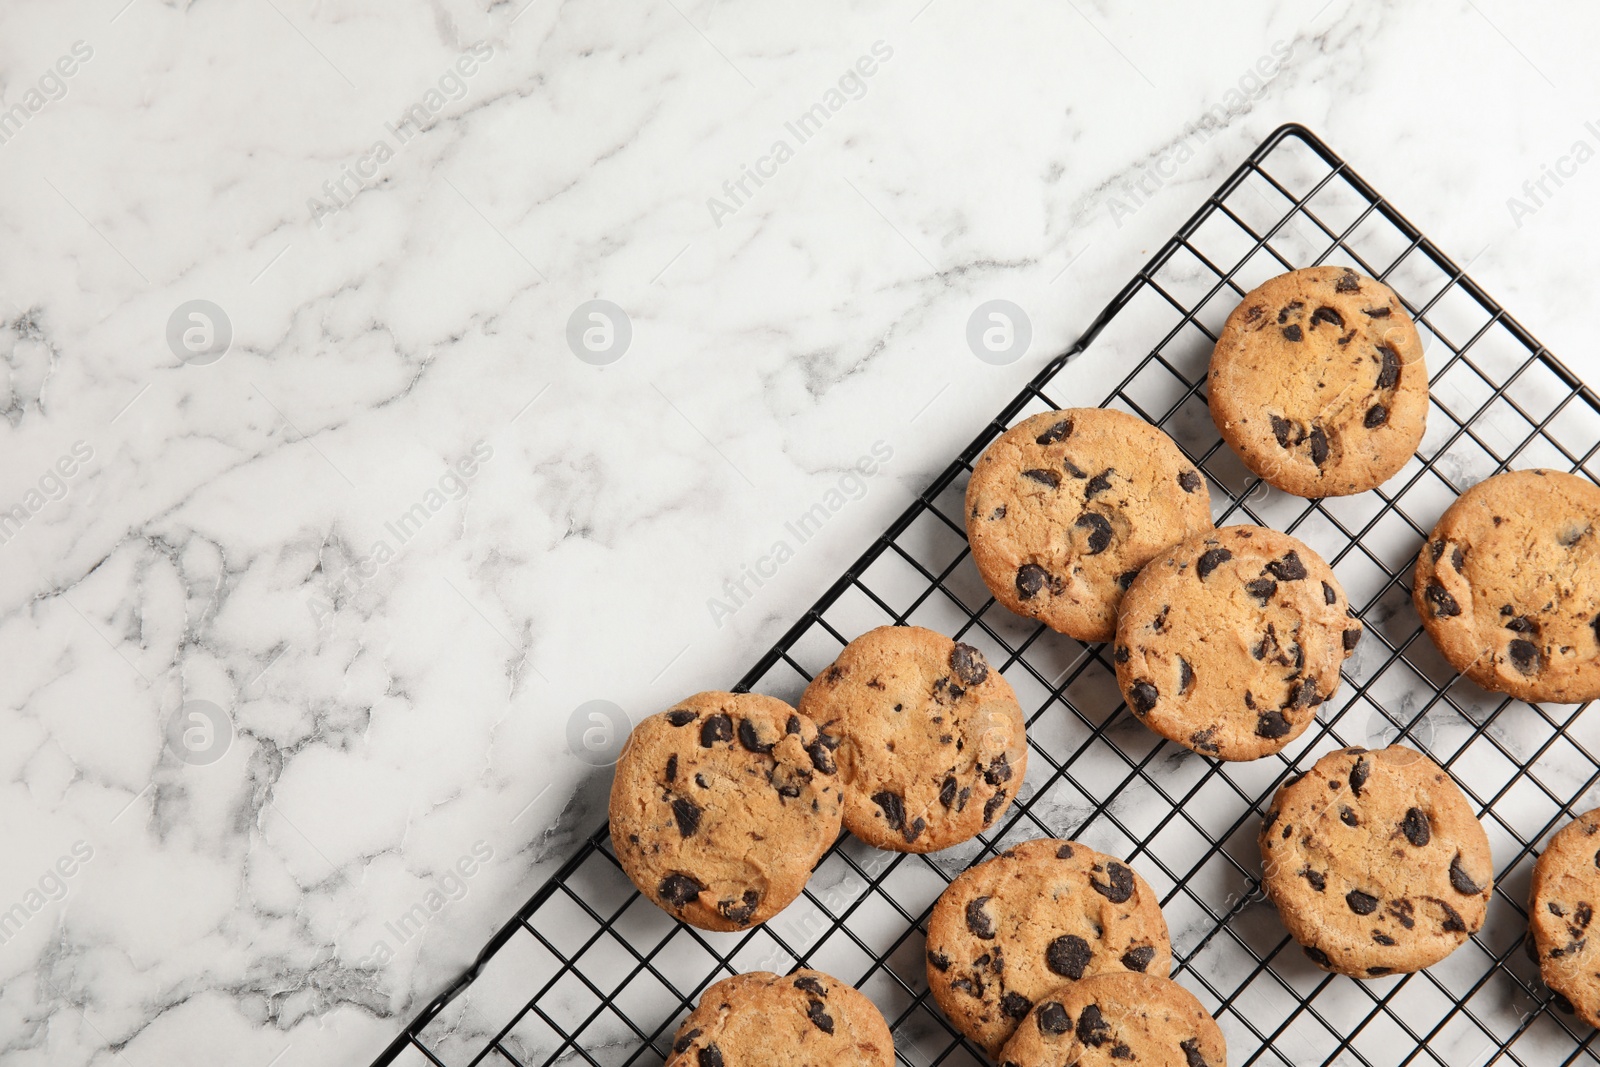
(590, 972)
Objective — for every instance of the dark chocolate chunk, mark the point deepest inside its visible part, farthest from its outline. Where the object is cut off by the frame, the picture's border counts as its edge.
(1347, 283)
(1262, 589)
(1189, 481)
(1361, 903)
(992, 806)
(1440, 599)
(1348, 816)
(1304, 695)
(1352, 638)
(968, 665)
(978, 920)
(807, 984)
(1142, 696)
(793, 725)
(1327, 314)
(999, 770)
(1358, 775)
(1057, 432)
(710, 1056)
(1191, 1053)
(1138, 957)
(1375, 313)
(717, 728)
(1317, 956)
(1416, 827)
(1524, 655)
(1118, 886)
(821, 758)
(1210, 560)
(672, 767)
(817, 1012)
(1381, 938)
(1389, 375)
(1453, 923)
(1521, 624)
(1073, 469)
(1015, 1005)
(1328, 595)
(1289, 568)
(1280, 430)
(1272, 725)
(1044, 477)
(1460, 881)
(1126, 578)
(1185, 675)
(1031, 578)
(947, 792)
(1293, 333)
(686, 1040)
(1121, 654)
(1099, 531)
(682, 717)
(1319, 446)
(739, 911)
(1317, 879)
(1376, 416)
(750, 739)
(1053, 1018)
(1099, 483)
(1065, 853)
(894, 808)
(1288, 309)
(939, 960)
(1092, 1026)
(1068, 956)
(679, 889)
(687, 814)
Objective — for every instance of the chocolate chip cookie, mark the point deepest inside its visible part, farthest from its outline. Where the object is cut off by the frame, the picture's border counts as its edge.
(1227, 643)
(932, 743)
(1065, 507)
(1566, 891)
(1508, 586)
(805, 1019)
(723, 805)
(1113, 1019)
(1008, 932)
(1318, 382)
(1376, 862)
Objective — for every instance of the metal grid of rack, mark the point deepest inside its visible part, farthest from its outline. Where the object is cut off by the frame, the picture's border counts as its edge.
(590, 972)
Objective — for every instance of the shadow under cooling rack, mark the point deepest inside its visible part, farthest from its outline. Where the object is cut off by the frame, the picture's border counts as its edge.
(590, 972)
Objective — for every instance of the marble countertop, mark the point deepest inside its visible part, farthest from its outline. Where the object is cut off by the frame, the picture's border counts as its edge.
(402, 396)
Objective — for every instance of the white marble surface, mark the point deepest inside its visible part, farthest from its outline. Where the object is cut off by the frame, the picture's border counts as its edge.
(389, 721)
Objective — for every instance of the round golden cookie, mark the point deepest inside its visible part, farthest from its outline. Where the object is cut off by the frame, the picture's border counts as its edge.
(1065, 507)
(1508, 585)
(805, 1019)
(1566, 892)
(1375, 862)
(932, 742)
(1317, 381)
(722, 806)
(1114, 1019)
(1009, 931)
(1228, 642)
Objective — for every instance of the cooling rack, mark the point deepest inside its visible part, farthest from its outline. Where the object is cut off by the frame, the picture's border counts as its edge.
(590, 972)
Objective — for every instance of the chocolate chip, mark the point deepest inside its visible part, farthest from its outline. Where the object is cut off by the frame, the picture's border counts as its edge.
(1099, 531)
(1347, 283)
(1092, 1026)
(1272, 725)
(685, 1040)
(821, 758)
(997, 513)
(1319, 446)
(1375, 313)
(717, 728)
(1460, 881)
(807, 984)
(1304, 695)
(1053, 1018)
(1389, 375)
(1280, 430)
(710, 1056)
(1361, 903)
(679, 889)
(1597, 628)
(1262, 589)
(750, 739)
(1068, 956)
(1317, 956)
(1139, 957)
(1348, 816)
(1376, 416)
(1453, 923)
(1044, 477)
(682, 717)
(1210, 560)
(894, 808)
(947, 792)
(1121, 654)
(1191, 1053)
(1521, 624)
(1525, 656)
(1289, 568)
(1118, 886)
(1359, 774)
(939, 960)
(1317, 880)
(1382, 938)
(1065, 853)
(1189, 481)
(1073, 469)
(992, 806)
(1327, 314)
(1126, 578)
(1059, 431)
(1328, 595)
(1185, 675)
(1031, 578)
(1099, 483)
(1416, 827)
(739, 911)
(1442, 602)
(999, 770)
(1293, 333)
(968, 664)
(687, 813)
(978, 920)
(1287, 309)
(672, 767)
(817, 1012)
(1015, 1005)
(1351, 639)
(1142, 696)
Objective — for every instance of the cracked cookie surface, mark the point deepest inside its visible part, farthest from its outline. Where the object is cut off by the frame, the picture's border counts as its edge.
(1375, 862)
(1317, 381)
(722, 806)
(804, 1019)
(1561, 909)
(1508, 585)
(1066, 506)
(1229, 642)
(1009, 931)
(1113, 1019)
(932, 742)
